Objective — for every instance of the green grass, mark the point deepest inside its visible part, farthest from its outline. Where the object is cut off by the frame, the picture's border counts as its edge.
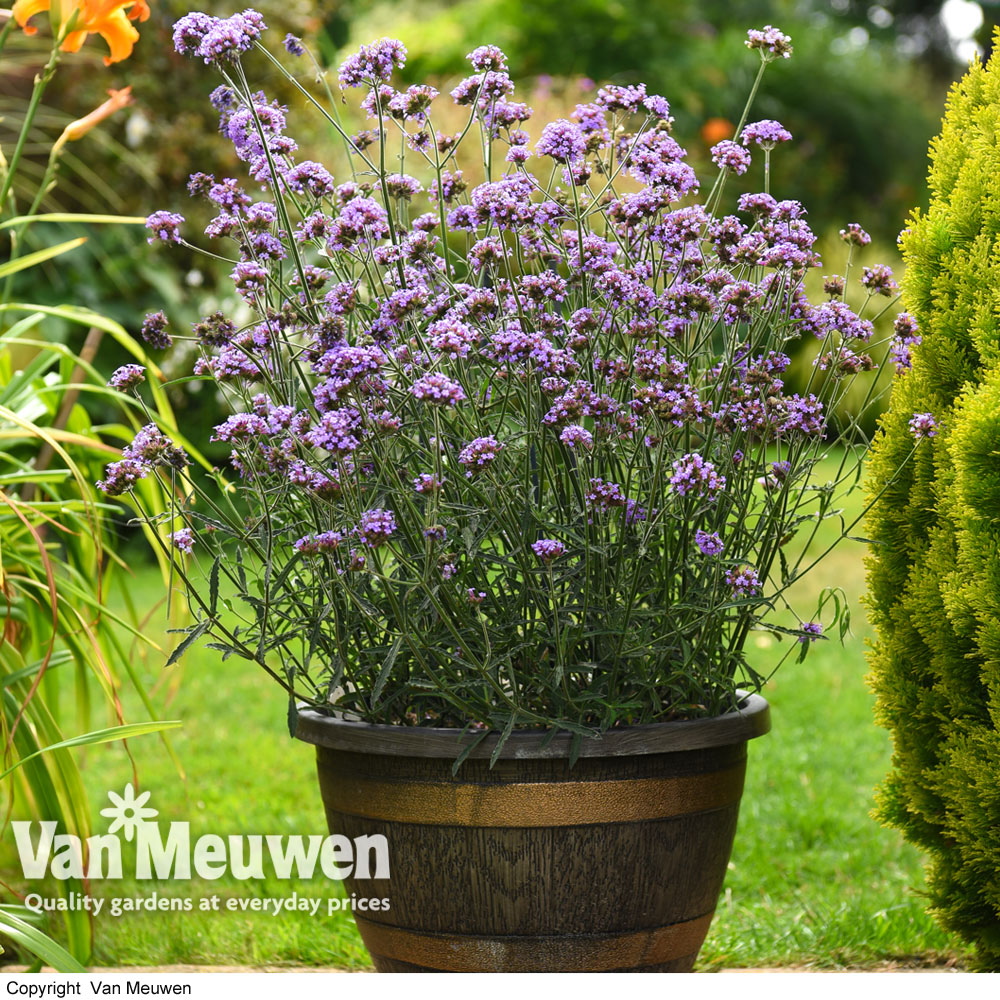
(813, 879)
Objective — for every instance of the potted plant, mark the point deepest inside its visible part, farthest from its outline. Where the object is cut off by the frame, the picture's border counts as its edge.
(516, 470)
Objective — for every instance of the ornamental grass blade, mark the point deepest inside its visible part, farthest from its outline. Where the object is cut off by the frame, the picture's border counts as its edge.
(39, 256)
(98, 736)
(39, 944)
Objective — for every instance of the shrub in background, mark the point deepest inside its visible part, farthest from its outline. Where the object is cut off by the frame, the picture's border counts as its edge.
(935, 566)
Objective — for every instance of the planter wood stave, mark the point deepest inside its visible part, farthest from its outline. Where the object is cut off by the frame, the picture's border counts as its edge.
(615, 864)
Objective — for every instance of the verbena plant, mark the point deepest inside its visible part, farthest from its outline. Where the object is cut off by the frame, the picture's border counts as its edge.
(524, 458)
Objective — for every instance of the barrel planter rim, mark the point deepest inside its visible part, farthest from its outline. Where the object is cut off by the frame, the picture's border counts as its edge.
(752, 719)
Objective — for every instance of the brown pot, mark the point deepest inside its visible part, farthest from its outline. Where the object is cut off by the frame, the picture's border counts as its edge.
(614, 864)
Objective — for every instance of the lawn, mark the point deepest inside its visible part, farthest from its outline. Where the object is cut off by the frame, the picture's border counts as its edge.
(813, 879)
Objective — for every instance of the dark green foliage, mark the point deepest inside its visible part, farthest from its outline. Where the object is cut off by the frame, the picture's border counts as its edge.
(934, 576)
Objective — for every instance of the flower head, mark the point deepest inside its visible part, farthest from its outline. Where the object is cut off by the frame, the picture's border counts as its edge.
(769, 42)
(372, 63)
(766, 133)
(812, 630)
(127, 377)
(744, 581)
(110, 20)
(730, 155)
(164, 226)
(154, 331)
(376, 527)
(183, 540)
(696, 476)
(923, 425)
(709, 543)
(548, 549)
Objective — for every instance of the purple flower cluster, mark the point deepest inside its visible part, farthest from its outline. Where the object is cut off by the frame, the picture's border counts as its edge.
(766, 133)
(696, 476)
(183, 540)
(154, 331)
(769, 42)
(479, 454)
(217, 40)
(444, 363)
(812, 630)
(743, 581)
(709, 542)
(376, 527)
(164, 226)
(373, 62)
(127, 377)
(548, 549)
(728, 155)
(923, 425)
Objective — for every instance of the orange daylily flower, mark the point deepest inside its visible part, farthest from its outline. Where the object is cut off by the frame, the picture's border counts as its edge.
(111, 19)
(117, 99)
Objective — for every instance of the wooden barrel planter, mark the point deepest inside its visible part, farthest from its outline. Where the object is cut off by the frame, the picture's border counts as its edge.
(613, 865)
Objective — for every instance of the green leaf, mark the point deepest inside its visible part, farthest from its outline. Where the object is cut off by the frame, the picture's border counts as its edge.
(122, 220)
(196, 633)
(98, 736)
(386, 670)
(31, 259)
(37, 943)
(213, 586)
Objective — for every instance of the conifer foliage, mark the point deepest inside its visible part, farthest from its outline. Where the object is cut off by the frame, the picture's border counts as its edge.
(934, 572)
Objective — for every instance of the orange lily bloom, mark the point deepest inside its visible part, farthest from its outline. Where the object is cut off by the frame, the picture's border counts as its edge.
(117, 99)
(111, 19)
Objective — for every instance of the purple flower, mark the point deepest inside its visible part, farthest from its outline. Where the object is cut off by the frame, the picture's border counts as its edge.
(878, 280)
(695, 476)
(325, 541)
(563, 141)
(127, 377)
(183, 540)
(813, 630)
(479, 454)
(548, 549)
(729, 155)
(427, 482)
(154, 331)
(120, 477)
(190, 30)
(604, 495)
(372, 62)
(294, 45)
(227, 37)
(164, 226)
(709, 543)
(486, 58)
(923, 425)
(769, 42)
(576, 436)
(855, 235)
(766, 133)
(338, 432)
(249, 279)
(474, 596)
(376, 527)
(151, 447)
(437, 388)
(744, 581)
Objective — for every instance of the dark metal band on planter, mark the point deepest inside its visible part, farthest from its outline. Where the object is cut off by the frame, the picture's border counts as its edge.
(608, 953)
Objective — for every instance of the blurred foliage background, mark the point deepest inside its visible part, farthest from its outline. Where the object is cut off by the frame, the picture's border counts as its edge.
(862, 96)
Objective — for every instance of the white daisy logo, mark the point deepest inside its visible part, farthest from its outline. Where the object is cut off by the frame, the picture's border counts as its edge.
(128, 812)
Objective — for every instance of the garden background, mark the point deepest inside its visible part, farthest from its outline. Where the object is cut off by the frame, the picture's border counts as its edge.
(813, 880)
